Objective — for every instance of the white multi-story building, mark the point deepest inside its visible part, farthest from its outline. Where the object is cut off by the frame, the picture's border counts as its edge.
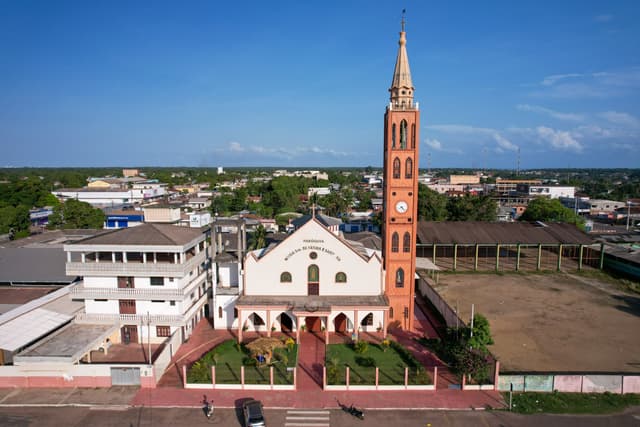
(138, 193)
(151, 278)
(314, 280)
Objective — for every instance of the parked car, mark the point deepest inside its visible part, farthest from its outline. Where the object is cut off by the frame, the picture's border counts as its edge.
(253, 414)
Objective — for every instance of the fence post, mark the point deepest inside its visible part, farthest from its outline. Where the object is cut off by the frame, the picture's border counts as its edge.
(184, 376)
(464, 380)
(213, 375)
(601, 256)
(475, 261)
(295, 378)
(271, 376)
(324, 377)
(347, 377)
(435, 378)
(242, 377)
(580, 257)
(539, 256)
(518, 257)
(377, 372)
(496, 376)
(455, 256)
(406, 377)
(559, 256)
(498, 257)
(434, 254)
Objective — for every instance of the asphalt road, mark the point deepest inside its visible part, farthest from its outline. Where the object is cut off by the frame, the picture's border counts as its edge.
(159, 417)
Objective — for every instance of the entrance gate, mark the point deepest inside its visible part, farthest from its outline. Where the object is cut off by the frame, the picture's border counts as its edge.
(125, 376)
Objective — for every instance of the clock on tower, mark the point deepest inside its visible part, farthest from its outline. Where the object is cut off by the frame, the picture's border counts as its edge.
(401, 128)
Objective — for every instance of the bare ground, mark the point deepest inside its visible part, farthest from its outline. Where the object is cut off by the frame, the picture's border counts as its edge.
(552, 322)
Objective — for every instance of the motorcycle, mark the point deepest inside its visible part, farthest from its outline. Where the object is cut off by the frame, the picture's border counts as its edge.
(352, 410)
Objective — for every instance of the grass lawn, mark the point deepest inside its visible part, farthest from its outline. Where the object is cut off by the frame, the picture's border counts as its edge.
(391, 364)
(228, 358)
(571, 403)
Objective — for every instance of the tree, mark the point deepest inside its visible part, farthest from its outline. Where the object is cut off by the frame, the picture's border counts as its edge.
(432, 206)
(15, 220)
(545, 209)
(76, 214)
(258, 238)
(481, 334)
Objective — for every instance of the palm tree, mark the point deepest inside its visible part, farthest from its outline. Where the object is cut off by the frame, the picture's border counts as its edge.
(259, 238)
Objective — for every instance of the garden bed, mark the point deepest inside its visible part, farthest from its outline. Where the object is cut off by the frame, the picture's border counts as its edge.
(391, 362)
(229, 357)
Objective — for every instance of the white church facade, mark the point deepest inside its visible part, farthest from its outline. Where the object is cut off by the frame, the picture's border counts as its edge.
(313, 280)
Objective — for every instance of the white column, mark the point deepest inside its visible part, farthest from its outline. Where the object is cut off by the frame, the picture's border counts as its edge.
(182, 257)
(155, 258)
(113, 257)
(68, 256)
(175, 258)
(83, 257)
(124, 257)
(144, 257)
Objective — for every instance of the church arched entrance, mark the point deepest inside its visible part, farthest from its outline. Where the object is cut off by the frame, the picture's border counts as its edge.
(340, 323)
(313, 324)
(286, 323)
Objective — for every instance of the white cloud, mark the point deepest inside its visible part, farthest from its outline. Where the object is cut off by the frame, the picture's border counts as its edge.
(504, 143)
(562, 140)
(555, 114)
(555, 78)
(479, 133)
(236, 147)
(618, 118)
(603, 18)
(600, 84)
(433, 143)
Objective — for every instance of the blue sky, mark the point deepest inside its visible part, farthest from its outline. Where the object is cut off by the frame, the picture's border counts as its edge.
(255, 83)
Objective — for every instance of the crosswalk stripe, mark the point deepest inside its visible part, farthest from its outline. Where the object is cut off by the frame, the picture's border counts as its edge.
(307, 418)
(307, 424)
(308, 412)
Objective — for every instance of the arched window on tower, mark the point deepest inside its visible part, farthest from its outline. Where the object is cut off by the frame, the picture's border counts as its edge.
(400, 278)
(413, 135)
(396, 168)
(390, 312)
(408, 168)
(406, 242)
(395, 242)
(393, 135)
(403, 134)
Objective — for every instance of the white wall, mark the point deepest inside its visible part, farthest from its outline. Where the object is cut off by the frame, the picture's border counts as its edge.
(227, 302)
(262, 276)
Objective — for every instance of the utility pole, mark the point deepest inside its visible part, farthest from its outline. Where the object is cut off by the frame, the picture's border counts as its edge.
(149, 335)
(628, 213)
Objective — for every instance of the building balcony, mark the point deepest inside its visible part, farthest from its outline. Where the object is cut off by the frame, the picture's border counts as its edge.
(140, 294)
(131, 319)
(110, 269)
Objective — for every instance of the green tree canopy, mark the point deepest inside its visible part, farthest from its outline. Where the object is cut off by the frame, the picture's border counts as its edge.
(546, 209)
(432, 206)
(76, 214)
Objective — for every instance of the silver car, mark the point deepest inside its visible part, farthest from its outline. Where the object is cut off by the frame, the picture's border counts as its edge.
(253, 414)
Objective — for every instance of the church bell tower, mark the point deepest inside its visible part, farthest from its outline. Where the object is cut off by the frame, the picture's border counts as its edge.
(401, 141)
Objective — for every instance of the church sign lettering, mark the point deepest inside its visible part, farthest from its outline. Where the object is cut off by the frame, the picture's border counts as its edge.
(312, 246)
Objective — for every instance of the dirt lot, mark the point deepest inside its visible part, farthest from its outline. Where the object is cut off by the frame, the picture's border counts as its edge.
(552, 322)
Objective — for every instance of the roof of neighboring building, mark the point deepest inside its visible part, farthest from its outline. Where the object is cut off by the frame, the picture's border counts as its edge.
(146, 234)
(366, 238)
(325, 220)
(33, 265)
(313, 302)
(31, 326)
(471, 232)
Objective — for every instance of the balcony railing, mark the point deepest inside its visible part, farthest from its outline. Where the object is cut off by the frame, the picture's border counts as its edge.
(106, 268)
(82, 292)
(131, 319)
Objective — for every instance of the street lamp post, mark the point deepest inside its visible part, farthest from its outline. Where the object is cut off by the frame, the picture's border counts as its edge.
(628, 213)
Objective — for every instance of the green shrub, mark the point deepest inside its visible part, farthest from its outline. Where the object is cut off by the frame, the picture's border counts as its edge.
(360, 347)
(366, 362)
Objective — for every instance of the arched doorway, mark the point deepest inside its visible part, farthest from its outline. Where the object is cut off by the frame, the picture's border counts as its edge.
(286, 323)
(313, 324)
(340, 323)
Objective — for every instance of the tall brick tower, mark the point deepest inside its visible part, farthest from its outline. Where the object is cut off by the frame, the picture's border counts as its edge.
(401, 140)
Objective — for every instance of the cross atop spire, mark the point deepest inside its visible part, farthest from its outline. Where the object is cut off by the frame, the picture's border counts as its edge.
(403, 21)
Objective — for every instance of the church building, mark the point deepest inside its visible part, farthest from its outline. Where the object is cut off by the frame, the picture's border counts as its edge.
(315, 279)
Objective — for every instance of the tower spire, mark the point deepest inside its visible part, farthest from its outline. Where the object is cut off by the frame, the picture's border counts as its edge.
(401, 86)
